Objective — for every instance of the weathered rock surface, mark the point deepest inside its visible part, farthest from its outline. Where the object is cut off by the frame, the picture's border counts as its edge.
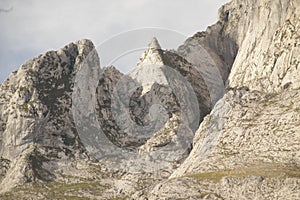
(226, 186)
(36, 118)
(244, 68)
(248, 147)
(270, 44)
(40, 142)
(162, 90)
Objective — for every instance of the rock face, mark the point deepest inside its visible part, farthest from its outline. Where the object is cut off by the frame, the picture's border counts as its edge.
(270, 46)
(160, 78)
(247, 146)
(239, 79)
(40, 128)
(152, 112)
(160, 66)
(36, 118)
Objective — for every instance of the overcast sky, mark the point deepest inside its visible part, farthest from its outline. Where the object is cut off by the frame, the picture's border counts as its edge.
(32, 27)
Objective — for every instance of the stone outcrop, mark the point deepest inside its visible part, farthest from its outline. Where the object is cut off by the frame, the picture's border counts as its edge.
(48, 118)
(247, 146)
(161, 78)
(239, 80)
(36, 119)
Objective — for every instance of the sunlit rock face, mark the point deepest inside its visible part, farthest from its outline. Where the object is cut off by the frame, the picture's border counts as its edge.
(49, 118)
(247, 146)
(36, 118)
(218, 118)
(155, 109)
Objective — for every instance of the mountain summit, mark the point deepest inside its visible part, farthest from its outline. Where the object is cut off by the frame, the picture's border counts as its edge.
(154, 44)
(152, 54)
(216, 119)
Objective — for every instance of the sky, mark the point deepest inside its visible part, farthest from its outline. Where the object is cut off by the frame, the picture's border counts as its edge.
(120, 29)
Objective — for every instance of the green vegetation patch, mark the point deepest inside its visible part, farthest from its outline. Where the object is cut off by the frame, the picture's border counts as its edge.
(264, 171)
(58, 190)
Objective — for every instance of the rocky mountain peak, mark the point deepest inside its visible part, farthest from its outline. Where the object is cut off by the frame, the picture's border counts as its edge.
(239, 80)
(33, 118)
(154, 44)
(246, 145)
(85, 46)
(152, 55)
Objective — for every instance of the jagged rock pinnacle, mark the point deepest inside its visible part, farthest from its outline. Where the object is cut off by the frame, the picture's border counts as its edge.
(147, 71)
(246, 147)
(152, 55)
(154, 44)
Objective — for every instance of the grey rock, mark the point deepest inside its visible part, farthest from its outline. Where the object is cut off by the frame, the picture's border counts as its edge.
(37, 123)
(246, 147)
(239, 79)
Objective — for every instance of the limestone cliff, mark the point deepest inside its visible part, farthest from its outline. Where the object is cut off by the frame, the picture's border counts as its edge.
(248, 146)
(69, 128)
(55, 104)
(36, 120)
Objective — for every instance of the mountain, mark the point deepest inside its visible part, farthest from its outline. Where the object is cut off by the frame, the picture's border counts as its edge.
(218, 118)
(66, 121)
(247, 147)
(37, 125)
